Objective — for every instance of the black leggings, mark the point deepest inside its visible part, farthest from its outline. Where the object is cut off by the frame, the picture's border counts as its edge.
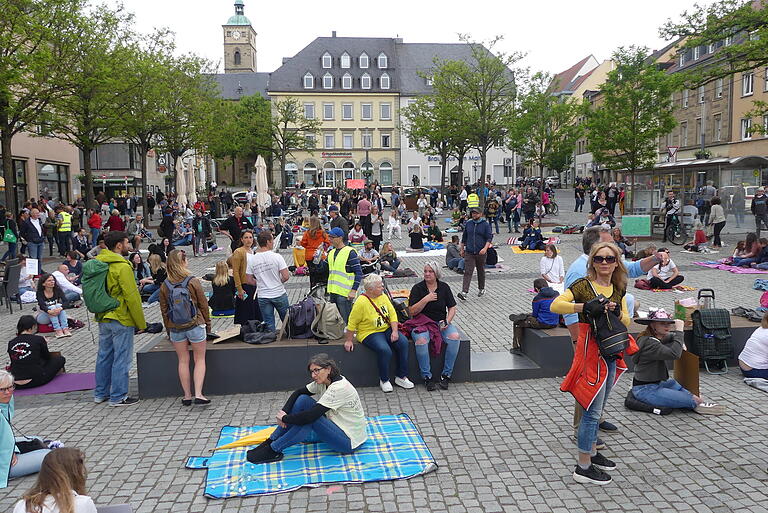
(47, 373)
(658, 283)
(718, 227)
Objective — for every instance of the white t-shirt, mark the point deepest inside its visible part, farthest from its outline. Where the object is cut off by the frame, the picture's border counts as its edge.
(755, 352)
(265, 267)
(665, 271)
(552, 268)
(463, 195)
(346, 410)
(83, 504)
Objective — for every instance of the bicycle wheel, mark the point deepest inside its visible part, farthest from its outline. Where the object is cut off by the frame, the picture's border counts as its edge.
(553, 208)
(675, 234)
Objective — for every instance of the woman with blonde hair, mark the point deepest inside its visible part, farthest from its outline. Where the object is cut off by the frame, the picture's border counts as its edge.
(222, 301)
(159, 275)
(192, 328)
(60, 485)
(246, 305)
(592, 376)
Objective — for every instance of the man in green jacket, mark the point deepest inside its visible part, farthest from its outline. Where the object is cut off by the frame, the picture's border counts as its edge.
(116, 327)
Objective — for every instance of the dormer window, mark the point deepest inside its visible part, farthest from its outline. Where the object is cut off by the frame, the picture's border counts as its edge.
(327, 81)
(365, 81)
(363, 61)
(346, 81)
(327, 61)
(429, 81)
(384, 81)
(309, 81)
(345, 61)
(382, 61)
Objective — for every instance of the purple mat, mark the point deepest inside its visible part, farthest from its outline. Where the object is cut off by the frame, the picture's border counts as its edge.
(63, 383)
(731, 268)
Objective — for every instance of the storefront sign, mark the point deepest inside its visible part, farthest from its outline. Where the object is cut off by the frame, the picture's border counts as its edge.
(336, 154)
(435, 158)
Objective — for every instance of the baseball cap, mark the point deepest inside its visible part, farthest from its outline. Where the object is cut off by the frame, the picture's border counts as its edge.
(336, 232)
(333, 208)
(474, 209)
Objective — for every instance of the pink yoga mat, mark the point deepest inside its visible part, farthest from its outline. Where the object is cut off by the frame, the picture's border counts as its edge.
(731, 268)
(67, 382)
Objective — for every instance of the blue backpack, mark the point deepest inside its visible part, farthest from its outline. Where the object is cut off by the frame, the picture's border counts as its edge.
(181, 310)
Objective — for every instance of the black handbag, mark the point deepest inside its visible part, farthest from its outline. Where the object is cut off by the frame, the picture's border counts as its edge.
(610, 333)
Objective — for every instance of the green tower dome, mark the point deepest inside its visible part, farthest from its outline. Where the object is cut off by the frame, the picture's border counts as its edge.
(239, 17)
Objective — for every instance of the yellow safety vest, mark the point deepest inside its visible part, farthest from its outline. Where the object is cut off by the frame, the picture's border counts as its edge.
(473, 200)
(339, 280)
(66, 222)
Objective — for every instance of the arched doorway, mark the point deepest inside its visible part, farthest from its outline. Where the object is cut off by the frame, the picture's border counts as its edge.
(291, 174)
(385, 173)
(310, 173)
(329, 172)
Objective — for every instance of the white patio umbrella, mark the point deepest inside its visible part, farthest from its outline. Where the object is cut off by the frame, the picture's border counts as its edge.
(181, 184)
(192, 183)
(262, 188)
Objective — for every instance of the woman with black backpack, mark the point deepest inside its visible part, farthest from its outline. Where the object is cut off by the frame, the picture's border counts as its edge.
(593, 375)
(186, 319)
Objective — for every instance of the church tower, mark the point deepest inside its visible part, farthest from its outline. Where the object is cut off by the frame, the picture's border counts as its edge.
(239, 42)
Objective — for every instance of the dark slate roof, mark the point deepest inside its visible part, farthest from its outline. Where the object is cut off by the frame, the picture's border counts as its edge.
(233, 86)
(290, 76)
(416, 58)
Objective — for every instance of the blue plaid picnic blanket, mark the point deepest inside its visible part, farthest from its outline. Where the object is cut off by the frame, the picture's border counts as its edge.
(394, 450)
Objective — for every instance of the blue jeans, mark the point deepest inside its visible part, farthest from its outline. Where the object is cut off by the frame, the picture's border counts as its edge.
(385, 265)
(421, 342)
(71, 296)
(59, 322)
(28, 463)
(321, 430)
(113, 361)
(95, 232)
(381, 344)
(456, 263)
(35, 250)
(11, 253)
(155, 297)
(344, 304)
(667, 394)
(493, 220)
(755, 373)
(743, 262)
(587, 433)
(186, 241)
(268, 307)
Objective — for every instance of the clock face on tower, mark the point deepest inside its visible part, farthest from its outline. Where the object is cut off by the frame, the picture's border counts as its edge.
(236, 34)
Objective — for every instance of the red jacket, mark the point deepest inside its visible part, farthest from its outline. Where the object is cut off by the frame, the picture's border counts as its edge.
(422, 323)
(115, 223)
(95, 221)
(589, 370)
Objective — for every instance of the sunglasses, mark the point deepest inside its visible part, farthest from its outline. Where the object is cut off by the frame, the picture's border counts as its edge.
(610, 259)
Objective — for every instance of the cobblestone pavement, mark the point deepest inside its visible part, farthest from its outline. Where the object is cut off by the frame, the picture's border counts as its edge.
(501, 446)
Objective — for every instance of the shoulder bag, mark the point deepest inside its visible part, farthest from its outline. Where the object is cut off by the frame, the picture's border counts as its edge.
(610, 333)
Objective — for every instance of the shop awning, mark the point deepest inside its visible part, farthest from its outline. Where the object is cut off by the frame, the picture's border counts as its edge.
(748, 161)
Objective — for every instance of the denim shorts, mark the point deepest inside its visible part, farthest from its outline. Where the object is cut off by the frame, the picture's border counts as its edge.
(195, 335)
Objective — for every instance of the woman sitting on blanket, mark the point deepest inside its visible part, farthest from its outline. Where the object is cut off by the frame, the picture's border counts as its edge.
(335, 415)
(753, 359)
(665, 274)
(532, 238)
(32, 364)
(662, 341)
(752, 249)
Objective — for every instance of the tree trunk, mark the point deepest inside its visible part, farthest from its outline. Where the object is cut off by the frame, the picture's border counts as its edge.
(88, 172)
(483, 156)
(283, 172)
(444, 166)
(144, 207)
(632, 189)
(8, 172)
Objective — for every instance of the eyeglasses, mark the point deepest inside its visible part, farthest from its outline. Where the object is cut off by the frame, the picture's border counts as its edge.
(610, 259)
(315, 371)
(8, 389)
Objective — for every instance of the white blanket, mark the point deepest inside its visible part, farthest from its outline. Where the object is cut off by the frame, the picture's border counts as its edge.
(431, 253)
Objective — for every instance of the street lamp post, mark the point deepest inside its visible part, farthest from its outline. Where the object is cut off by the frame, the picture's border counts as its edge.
(367, 145)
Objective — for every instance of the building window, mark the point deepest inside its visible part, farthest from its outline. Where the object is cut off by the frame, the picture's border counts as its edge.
(366, 111)
(345, 61)
(367, 140)
(698, 131)
(238, 59)
(346, 81)
(746, 129)
(20, 169)
(728, 41)
(747, 83)
(292, 172)
(384, 81)
(327, 61)
(696, 53)
(327, 111)
(309, 111)
(311, 142)
(711, 48)
(53, 182)
(386, 111)
(765, 80)
(718, 128)
(765, 125)
(347, 141)
(327, 81)
(382, 61)
(346, 111)
(385, 173)
(682, 60)
(365, 81)
(701, 94)
(719, 88)
(363, 61)
(685, 98)
(329, 141)
(683, 134)
(430, 82)
(310, 173)
(386, 140)
(309, 81)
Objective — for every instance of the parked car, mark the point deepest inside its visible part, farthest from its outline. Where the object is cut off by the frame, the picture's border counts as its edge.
(240, 196)
(553, 181)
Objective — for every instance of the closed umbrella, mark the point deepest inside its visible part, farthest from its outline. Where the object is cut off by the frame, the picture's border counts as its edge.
(191, 181)
(181, 184)
(262, 188)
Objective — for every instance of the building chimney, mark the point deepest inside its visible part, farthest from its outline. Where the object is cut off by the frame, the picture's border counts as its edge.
(333, 33)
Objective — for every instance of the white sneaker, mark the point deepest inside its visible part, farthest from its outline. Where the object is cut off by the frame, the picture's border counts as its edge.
(404, 383)
(386, 386)
(709, 408)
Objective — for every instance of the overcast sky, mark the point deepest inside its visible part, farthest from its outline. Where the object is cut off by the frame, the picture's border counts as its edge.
(554, 34)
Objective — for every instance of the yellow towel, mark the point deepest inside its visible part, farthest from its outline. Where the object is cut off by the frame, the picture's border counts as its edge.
(516, 249)
(252, 439)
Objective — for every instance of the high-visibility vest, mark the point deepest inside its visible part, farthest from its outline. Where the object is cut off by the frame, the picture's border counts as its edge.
(339, 280)
(66, 222)
(473, 200)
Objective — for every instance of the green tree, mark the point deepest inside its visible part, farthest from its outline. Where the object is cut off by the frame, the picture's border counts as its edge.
(219, 131)
(291, 131)
(484, 89)
(96, 86)
(35, 48)
(634, 111)
(545, 127)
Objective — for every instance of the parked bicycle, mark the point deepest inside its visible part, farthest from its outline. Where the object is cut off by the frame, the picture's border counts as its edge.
(675, 231)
